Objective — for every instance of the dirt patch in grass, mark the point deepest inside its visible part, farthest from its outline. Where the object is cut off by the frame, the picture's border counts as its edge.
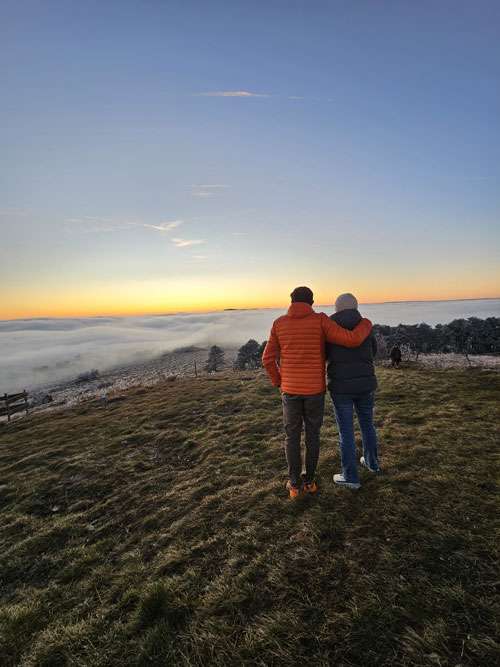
(156, 531)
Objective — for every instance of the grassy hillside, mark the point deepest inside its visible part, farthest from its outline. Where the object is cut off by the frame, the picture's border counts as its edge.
(155, 530)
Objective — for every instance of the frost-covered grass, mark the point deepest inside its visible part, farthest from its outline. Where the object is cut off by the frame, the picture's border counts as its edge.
(181, 363)
(452, 360)
(155, 530)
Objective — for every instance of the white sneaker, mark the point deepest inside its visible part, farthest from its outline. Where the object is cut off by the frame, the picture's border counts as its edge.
(340, 480)
(365, 465)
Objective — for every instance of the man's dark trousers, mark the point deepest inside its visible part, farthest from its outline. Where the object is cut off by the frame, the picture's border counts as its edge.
(298, 410)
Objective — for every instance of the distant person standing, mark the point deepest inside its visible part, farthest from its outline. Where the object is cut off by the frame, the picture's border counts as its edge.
(352, 384)
(395, 355)
(294, 359)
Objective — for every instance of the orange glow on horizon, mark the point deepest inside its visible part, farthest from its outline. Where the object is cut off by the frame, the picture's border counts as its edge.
(101, 307)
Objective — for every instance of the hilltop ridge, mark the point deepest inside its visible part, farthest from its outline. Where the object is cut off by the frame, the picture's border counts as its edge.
(155, 529)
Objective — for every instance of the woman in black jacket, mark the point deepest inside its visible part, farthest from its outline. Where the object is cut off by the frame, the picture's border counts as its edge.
(352, 384)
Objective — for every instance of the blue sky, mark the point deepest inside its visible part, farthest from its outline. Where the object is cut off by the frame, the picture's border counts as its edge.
(162, 156)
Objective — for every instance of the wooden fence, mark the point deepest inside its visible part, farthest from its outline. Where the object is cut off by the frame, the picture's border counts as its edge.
(10, 404)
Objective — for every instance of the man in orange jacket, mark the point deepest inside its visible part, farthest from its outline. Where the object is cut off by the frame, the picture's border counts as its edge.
(294, 359)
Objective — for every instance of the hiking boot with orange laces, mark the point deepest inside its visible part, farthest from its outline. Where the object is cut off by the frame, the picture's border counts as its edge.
(310, 487)
(293, 491)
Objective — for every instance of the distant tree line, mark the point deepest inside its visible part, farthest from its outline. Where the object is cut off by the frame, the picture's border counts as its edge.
(470, 336)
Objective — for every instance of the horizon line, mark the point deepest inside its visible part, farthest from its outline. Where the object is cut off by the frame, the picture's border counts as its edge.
(220, 310)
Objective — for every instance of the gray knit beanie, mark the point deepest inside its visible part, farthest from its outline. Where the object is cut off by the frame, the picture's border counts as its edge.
(346, 301)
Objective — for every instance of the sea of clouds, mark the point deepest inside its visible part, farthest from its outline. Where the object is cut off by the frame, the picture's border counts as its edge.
(42, 351)
(36, 352)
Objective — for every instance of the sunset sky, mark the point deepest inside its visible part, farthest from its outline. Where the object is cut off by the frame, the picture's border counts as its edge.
(172, 156)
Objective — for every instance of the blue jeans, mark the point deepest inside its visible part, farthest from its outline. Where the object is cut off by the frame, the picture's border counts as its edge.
(344, 406)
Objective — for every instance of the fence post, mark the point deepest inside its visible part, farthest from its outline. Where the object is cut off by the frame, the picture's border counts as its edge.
(6, 399)
(195, 369)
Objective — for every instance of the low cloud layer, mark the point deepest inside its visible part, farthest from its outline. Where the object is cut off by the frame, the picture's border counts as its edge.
(41, 351)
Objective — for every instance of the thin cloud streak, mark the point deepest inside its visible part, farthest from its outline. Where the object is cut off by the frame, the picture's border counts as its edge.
(186, 243)
(165, 226)
(211, 186)
(249, 94)
(232, 93)
(98, 224)
(208, 190)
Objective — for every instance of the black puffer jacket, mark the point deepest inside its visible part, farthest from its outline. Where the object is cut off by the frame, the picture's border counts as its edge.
(351, 371)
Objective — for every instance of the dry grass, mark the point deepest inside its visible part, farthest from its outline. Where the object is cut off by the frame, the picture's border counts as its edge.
(155, 530)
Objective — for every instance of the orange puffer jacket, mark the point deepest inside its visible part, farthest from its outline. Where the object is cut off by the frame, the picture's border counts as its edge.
(294, 356)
